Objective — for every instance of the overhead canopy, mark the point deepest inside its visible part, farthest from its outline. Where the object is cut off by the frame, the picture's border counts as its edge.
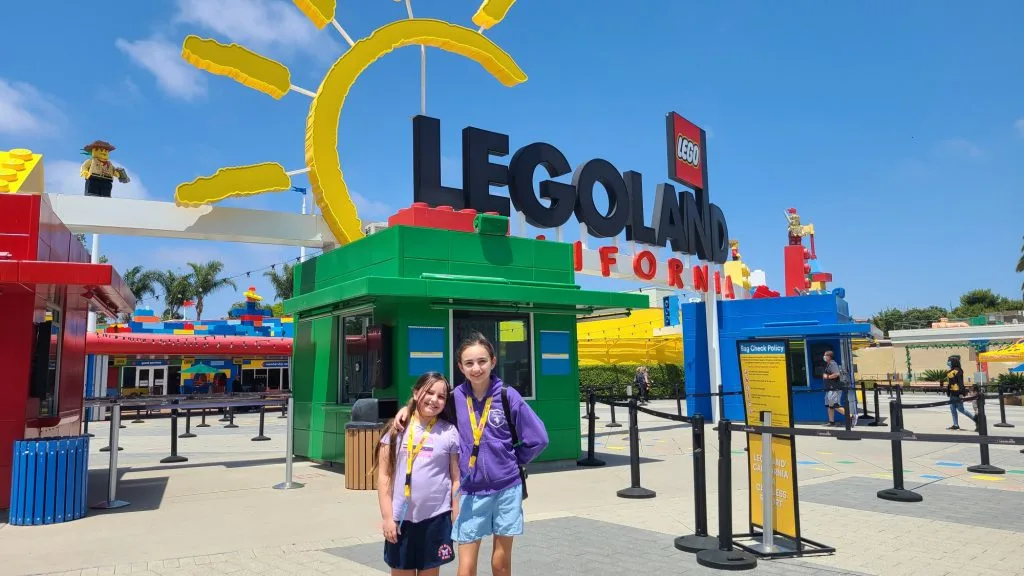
(1012, 353)
(127, 344)
(463, 291)
(200, 369)
(807, 328)
(98, 282)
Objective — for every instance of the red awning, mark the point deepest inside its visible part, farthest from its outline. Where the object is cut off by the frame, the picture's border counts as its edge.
(127, 343)
(98, 282)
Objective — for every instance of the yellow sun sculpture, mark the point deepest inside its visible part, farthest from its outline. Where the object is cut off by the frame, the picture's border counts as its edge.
(322, 159)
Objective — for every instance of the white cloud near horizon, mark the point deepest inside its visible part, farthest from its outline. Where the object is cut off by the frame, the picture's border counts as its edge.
(63, 177)
(163, 59)
(371, 210)
(25, 111)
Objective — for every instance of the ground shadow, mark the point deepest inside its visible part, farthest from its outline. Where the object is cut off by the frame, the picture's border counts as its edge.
(143, 494)
(233, 464)
(624, 431)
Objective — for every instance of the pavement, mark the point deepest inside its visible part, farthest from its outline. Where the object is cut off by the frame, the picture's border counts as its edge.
(218, 514)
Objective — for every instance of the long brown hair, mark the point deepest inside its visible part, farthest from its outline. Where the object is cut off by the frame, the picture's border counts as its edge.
(447, 414)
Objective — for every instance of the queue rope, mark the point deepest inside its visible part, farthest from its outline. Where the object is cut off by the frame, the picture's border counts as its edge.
(902, 435)
(936, 404)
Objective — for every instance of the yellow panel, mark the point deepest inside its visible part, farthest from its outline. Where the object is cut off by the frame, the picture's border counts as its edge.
(233, 181)
(21, 171)
(319, 12)
(491, 12)
(237, 62)
(325, 174)
(182, 331)
(610, 351)
(639, 324)
(286, 320)
(512, 331)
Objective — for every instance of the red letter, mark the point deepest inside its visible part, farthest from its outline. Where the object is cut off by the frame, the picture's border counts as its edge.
(638, 265)
(700, 278)
(729, 293)
(675, 273)
(577, 255)
(607, 254)
(718, 282)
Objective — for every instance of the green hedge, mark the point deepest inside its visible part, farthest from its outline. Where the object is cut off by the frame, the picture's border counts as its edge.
(614, 379)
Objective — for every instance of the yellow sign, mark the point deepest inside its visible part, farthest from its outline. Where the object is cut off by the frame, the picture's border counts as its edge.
(784, 514)
(765, 381)
(322, 160)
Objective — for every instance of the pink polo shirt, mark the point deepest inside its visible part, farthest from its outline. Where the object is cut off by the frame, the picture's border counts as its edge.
(431, 472)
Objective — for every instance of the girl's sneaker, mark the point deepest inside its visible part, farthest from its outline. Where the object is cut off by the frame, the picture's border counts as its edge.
(954, 427)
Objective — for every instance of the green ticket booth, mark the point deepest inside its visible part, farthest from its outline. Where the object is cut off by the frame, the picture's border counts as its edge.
(373, 315)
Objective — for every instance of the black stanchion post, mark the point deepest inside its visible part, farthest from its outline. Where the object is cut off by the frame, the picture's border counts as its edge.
(138, 417)
(985, 467)
(864, 396)
(679, 401)
(897, 493)
(85, 424)
(284, 411)
(724, 557)
(590, 460)
(260, 437)
(203, 424)
(173, 458)
(231, 418)
(1002, 412)
(878, 418)
(613, 423)
(188, 426)
(699, 540)
(634, 491)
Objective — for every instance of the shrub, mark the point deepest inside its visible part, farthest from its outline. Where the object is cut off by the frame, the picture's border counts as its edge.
(933, 376)
(1011, 381)
(612, 380)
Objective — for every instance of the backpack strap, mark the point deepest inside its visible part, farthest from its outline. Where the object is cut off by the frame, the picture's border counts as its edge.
(508, 415)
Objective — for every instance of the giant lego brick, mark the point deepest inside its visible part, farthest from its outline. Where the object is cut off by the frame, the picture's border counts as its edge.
(443, 217)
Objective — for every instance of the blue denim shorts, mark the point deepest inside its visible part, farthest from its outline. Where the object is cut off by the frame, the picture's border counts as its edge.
(500, 514)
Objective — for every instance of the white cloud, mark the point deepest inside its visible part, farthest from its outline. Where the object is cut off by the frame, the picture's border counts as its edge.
(62, 177)
(961, 148)
(163, 59)
(1019, 125)
(259, 25)
(370, 210)
(24, 110)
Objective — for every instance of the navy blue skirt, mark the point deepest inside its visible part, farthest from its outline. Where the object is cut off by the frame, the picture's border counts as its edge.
(422, 545)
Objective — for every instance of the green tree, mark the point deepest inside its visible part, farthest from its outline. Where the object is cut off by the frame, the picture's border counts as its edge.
(982, 301)
(177, 289)
(896, 319)
(1020, 268)
(282, 281)
(141, 282)
(206, 280)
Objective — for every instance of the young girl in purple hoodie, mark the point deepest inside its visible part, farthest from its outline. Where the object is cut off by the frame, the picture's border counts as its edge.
(491, 503)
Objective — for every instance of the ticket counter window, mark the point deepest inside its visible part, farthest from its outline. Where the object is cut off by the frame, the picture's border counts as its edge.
(356, 378)
(260, 379)
(510, 334)
(45, 376)
(797, 360)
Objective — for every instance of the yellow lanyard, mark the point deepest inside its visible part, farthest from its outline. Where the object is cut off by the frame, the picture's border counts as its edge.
(478, 429)
(414, 451)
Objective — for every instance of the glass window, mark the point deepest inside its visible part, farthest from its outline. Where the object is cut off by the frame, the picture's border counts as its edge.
(510, 334)
(285, 379)
(797, 360)
(45, 375)
(355, 378)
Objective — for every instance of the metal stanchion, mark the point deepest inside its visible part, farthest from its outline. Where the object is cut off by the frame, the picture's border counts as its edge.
(113, 440)
(174, 458)
(1002, 412)
(634, 491)
(231, 418)
(897, 493)
(202, 423)
(85, 425)
(878, 418)
(138, 417)
(613, 423)
(260, 437)
(188, 426)
(767, 543)
(679, 401)
(590, 460)
(288, 484)
(284, 412)
(985, 467)
(725, 557)
(112, 501)
(699, 540)
(851, 396)
(864, 395)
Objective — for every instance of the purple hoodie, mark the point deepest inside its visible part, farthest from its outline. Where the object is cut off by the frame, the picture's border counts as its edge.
(496, 465)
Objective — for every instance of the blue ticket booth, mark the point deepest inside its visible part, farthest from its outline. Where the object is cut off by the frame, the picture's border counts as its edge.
(809, 324)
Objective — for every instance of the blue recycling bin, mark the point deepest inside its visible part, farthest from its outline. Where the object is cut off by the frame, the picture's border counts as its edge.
(50, 480)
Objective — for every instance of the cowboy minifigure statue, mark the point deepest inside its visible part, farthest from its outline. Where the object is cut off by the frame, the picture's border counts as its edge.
(796, 231)
(98, 171)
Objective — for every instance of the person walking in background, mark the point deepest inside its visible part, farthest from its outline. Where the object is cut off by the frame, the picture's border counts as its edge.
(833, 388)
(642, 382)
(956, 391)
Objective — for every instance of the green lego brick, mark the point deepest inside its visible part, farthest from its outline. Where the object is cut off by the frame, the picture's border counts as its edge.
(491, 225)
(316, 444)
(494, 251)
(562, 445)
(413, 267)
(300, 443)
(316, 419)
(302, 415)
(425, 243)
(553, 255)
(556, 276)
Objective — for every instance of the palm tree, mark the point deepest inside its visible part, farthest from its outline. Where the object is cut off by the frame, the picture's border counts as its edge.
(177, 289)
(283, 282)
(206, 280)
(1020, 266)
(141, 282)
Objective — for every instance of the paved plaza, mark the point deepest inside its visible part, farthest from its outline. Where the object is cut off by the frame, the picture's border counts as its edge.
(218, 514)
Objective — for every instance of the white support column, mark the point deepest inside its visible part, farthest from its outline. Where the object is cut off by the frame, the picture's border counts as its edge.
(716, 348)
(94, 257)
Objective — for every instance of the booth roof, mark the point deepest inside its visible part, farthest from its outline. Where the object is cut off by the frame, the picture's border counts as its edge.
(481, 290)
(811, 328)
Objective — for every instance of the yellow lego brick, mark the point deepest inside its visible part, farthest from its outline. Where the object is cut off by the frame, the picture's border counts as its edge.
(21, 171)
(287, 320)
(181, 331)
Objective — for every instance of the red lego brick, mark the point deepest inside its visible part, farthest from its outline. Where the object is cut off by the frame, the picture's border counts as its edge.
(442, 217)
(764, 292)
(821, 277)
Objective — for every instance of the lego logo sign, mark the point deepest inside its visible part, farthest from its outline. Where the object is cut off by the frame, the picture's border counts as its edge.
(686, 152)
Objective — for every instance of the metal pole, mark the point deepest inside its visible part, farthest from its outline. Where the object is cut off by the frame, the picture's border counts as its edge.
(699, 540)
(897, 493)
(112, 501)
(634, 490)
(260, 437)
(613, 423)
(231, 418)
(724, 556)
(188, 425)
(1002, 412)
(590, 460)
(986, 466)
(203, 423)
(174, 458)
(864, 395)
(302, 249)
(679, 401)
(288, 484)
(878, 414)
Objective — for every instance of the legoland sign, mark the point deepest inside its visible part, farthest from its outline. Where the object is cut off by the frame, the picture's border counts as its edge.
(685, 221)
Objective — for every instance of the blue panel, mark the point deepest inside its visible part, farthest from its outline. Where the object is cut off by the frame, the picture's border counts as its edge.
(695, 359)
(50, 481)
(14, 516)
(38, 482)
(555, 353)
(83, 469)
(427, 346)
(62, 479)
(670, 306)
(74, 495)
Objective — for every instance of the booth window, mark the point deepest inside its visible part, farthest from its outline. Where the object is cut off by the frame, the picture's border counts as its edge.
(357, 354)
(796, 357)
(262, 379)
(510, 334)
(45, 379)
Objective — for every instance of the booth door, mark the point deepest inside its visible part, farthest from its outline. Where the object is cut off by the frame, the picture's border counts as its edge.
(510, 334)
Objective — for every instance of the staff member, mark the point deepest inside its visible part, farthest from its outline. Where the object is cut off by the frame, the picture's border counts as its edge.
(99, 172)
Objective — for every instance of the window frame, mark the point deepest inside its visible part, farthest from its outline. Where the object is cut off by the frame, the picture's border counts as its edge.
(343, 398)
(499, 316)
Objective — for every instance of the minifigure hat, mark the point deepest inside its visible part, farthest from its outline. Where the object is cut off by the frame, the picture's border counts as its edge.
(791, 210)
(99, 145)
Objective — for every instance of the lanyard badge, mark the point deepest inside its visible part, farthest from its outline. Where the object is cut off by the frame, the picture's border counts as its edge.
(413, 451)
(478, 430)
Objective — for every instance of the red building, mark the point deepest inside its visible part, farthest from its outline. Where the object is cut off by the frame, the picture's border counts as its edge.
(47, 287)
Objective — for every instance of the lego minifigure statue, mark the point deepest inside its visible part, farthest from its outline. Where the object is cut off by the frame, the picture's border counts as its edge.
(796, 231)
(734, 246)
(99, 172)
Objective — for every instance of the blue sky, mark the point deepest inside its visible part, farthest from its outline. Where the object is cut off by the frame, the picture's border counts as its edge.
(896, 128)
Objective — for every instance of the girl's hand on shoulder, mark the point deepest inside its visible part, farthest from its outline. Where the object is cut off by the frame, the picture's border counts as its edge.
(390, 530)
(400, 420)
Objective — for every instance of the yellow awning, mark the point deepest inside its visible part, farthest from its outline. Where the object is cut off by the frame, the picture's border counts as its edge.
(1012, 353)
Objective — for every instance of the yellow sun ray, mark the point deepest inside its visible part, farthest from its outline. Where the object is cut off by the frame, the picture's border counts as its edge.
(234, 181)
(491, 12)
(239, 63)
(319, 12)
